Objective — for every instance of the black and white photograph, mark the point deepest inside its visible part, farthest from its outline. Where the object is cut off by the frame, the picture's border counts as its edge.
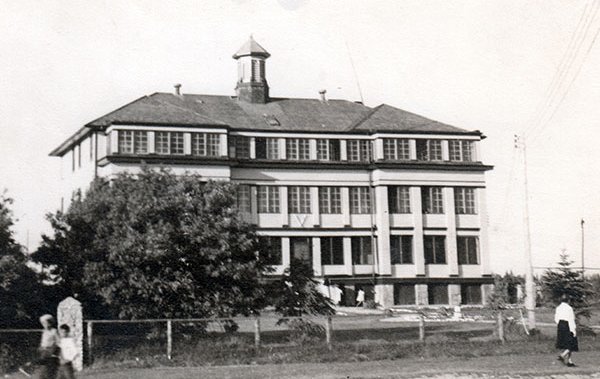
(299, 189)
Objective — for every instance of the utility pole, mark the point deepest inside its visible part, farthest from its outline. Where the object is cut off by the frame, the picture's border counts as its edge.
(582, 250)
(530, 294)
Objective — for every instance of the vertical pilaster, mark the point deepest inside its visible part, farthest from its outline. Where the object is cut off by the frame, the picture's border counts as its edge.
(316, 256)
(378, 147)
(282, 150)
(343, 150)
(412, 149)
(254, 205)
(417, 215)
(484, 248)
(312, 144)
(345, 198)
(314, 205)
(452, 255)
(187, 143)
(283, 205)
(382, 220)
(151, 144)
(114, 142)
(454, 296)
(223, 145)
(347, 255)
(421, 292)
(445, 151)
(285, 252)
(252, 147)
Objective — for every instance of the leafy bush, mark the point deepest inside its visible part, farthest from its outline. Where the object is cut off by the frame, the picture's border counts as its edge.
(305, 331)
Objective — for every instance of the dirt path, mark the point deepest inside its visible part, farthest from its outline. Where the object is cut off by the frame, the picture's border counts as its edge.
(530, 366)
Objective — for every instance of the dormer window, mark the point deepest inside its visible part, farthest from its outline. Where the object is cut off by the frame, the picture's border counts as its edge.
(429, 150)
(460, 150)
(133, 142)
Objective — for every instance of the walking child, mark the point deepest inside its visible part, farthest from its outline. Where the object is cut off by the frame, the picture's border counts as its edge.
(49, 350)
(68, 353)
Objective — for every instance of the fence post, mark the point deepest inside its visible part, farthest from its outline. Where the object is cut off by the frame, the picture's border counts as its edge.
(90, 332)
(328, 329)
(169, 339)
(500, 326)
(257, 331)
(421, 327)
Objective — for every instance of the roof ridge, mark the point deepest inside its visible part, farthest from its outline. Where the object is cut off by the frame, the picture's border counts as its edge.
(364, 118)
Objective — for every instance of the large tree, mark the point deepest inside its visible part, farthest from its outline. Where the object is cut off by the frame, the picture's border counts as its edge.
(20, 286)
(155, 245)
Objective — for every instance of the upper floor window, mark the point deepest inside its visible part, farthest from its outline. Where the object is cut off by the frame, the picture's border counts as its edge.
(133, 142)
(239, 147)
(267, 148)
(360, 200)
(271, 250)
(435, 249)
(206, 144)
(396, 149)
(362, 251)
(268, 199)
(460, 150)
(299, 199)
(168, 143)
(429, 149)
(359, 150)
(297, 149)
(464, 200)
(332, 251)
(243, 198)
(468, 250)
(432, 200)
(399, 199)
(330, 200)
(401, 250)
(328, 149)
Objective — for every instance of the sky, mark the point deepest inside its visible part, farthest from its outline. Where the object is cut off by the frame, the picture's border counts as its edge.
(503, 67)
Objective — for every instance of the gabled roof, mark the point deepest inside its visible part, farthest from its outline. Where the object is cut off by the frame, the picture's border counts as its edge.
(384, 118)
(278, 115)
(251, 47)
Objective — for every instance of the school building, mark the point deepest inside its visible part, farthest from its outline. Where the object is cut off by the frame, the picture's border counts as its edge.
(378, 199)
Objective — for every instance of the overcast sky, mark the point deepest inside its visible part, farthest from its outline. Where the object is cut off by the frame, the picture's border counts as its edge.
(487, 65)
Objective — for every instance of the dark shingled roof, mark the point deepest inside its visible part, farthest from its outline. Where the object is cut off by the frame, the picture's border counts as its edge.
(302, 115)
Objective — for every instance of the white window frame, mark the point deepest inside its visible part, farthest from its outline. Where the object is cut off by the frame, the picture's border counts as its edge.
(299, 201)
(330, 200)
(360, 200)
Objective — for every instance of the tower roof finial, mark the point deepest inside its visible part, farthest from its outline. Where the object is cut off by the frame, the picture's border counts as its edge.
(251, 48)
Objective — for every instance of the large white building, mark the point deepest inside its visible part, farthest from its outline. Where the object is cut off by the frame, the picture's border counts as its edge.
(377, 199)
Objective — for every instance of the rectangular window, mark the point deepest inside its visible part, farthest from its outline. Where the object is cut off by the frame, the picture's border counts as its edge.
(268, 199)
(161, 142)
(360, 200)
(464, 200)
(470, 294)
(399, 199)
(328, 149)
(206, 144)
(177, 143)
(401, 250)
(404, 294)
(332, 251)
(330, 200)
(239, 147)
(429, 150)
(125, 141)
(435, 249)
(271, 248)
(468, 250)
(299, 200)
(396, 149)
(359, 150)
(362, 252)
(140, 142)
(297, 149)
(437, 293)
(460, 150)
(432, 200)
(267, 148)
(301, 249)
(243, 198)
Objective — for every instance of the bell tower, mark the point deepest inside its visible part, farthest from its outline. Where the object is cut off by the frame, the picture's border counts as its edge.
(252, 84)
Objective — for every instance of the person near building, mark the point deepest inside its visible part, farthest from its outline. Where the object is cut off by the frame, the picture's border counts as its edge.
(360, 297)
(49, 349)
(68, 353)
(566, 333)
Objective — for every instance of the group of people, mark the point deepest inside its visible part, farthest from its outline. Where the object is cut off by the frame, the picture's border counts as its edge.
(57, 351)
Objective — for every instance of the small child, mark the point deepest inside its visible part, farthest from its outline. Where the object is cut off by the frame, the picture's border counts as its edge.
(68, 353)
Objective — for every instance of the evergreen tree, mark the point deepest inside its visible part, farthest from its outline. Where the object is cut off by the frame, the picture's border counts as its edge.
(567, 281)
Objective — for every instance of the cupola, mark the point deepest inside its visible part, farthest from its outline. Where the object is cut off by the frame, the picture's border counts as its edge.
(252, 84)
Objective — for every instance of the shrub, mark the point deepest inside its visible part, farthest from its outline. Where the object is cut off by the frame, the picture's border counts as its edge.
(305, 331)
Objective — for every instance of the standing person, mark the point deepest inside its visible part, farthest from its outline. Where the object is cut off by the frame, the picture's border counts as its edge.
(48, 349)
(566, 334)
(360, 298)
(68, 353)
